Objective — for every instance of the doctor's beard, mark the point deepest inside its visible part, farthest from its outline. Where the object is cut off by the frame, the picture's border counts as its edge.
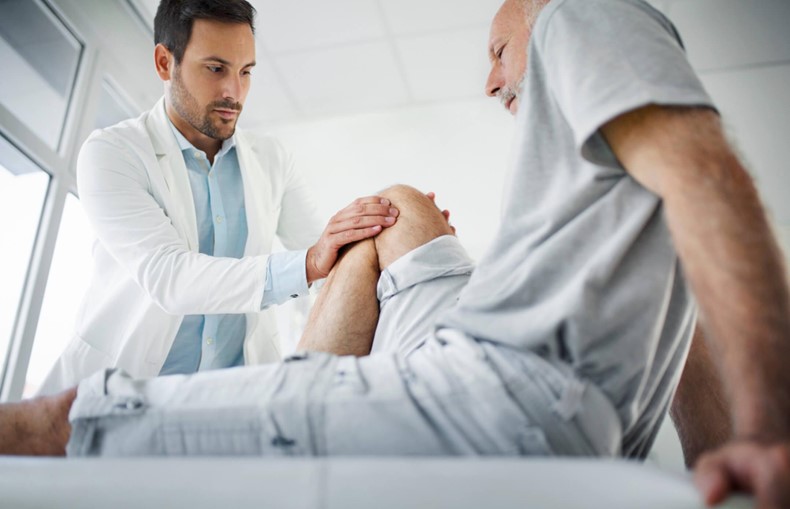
(188, 108)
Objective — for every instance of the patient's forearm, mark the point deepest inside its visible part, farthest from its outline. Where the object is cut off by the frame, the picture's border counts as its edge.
(700, 410)
(729, 256)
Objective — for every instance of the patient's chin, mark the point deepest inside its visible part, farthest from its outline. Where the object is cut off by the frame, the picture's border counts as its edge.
(513, 106)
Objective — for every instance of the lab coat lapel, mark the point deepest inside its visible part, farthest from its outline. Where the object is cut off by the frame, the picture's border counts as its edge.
(254, 192)
(181, 209)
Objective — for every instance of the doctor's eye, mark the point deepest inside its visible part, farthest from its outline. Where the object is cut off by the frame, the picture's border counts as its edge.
(214, 68)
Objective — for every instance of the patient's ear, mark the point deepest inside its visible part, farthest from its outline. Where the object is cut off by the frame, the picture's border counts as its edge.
(164, 62)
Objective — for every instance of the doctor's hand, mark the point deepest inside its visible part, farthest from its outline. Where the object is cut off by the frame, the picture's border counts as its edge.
(761, 469)
(364, 218)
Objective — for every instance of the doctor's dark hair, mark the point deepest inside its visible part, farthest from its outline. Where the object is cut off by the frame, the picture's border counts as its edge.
(175, 18)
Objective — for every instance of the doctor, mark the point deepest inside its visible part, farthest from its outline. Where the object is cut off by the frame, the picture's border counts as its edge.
(185, 207)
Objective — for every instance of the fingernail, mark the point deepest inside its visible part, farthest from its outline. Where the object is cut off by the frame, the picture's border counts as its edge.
(393, 212)
(385, 201)
(389, 219)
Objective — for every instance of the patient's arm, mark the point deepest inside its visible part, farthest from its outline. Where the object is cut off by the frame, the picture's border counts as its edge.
(735, 269)
(699, 410)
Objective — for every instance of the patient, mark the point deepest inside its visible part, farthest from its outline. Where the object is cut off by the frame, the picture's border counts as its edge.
(420, 392)
(569, 337)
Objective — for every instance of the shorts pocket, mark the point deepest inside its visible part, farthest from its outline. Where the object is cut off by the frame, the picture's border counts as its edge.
(532, 442)
(213, 432)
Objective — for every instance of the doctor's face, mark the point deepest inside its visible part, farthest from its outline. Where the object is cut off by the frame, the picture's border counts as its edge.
(208, 88)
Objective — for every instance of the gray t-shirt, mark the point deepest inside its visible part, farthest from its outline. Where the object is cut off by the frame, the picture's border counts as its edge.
(583, 265)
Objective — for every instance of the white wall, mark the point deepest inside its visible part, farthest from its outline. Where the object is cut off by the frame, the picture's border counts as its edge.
(458, 150)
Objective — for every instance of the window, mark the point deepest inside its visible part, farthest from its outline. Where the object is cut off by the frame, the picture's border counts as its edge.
(71, 268)
(68, 281)
(112, 107)
(40, 58)
(23, 188)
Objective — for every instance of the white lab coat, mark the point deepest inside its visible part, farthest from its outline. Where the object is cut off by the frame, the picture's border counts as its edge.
(148, 273)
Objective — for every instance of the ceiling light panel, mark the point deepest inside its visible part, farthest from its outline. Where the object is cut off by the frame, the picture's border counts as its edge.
(297, 25)
(415, 16)
(345, 79)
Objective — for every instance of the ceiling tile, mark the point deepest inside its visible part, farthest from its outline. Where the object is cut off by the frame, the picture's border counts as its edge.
(414, 16)
(267, 100)
(448, 65)
(294, 25)
(755, 106)
(730, 33)
(343, 80)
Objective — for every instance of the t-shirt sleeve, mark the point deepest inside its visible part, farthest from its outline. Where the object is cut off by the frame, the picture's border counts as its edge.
(604, 58)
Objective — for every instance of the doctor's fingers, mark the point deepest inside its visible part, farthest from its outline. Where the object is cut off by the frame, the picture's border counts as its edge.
(344, 237)
(363, 210)
(359, 222)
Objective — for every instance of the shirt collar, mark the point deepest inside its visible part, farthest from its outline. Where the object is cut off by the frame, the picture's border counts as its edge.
(185, 145)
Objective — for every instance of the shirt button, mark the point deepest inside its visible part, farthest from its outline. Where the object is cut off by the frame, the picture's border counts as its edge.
(198, 155)
(209, 341)
(219, 219)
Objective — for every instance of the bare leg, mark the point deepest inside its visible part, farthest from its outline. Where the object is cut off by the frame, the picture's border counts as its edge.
(36, 427)
(700, 410)
(344, 318)
(346, 312)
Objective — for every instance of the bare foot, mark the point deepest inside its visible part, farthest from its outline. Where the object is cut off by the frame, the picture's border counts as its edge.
(36, 427)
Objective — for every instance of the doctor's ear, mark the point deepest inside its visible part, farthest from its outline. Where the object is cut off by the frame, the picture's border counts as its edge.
(164, 62)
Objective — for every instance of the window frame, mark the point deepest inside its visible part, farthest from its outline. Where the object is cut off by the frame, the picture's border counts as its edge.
(60, 164)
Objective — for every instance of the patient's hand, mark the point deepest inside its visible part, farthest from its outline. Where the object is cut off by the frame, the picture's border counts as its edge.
(762, 469)
(445, 212)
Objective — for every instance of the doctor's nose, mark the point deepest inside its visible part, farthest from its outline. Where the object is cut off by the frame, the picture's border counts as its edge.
(233, 88)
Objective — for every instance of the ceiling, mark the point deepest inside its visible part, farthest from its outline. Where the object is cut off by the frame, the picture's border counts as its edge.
(320, 61)
(318, 58)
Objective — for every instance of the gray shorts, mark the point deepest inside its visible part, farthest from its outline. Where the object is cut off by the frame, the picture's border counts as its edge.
(420, 393)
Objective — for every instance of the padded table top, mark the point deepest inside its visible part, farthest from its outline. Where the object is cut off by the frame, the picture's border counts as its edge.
(347, 483)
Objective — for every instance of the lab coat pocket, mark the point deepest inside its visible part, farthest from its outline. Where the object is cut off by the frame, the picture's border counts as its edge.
(213, 432)
(78, 360)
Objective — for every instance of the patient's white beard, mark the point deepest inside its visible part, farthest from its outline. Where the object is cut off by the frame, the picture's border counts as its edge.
(508, 93)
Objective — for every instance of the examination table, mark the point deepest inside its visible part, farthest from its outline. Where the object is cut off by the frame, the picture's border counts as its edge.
(343, 483)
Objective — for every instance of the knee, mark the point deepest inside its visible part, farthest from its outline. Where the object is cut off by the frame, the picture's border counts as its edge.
(413, 205)
(408, 196)
(419, 221)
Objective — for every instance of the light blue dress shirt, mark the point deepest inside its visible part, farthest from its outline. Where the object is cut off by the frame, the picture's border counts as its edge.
(206, 342)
